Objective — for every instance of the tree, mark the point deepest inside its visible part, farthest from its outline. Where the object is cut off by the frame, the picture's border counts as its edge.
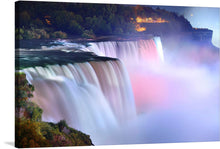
(88, 34)
(62, 124)
(61, 19)
(23, 90)
(24, 19)
(33, 111)
(75, 28)
(100, 26)
(30, 131)
(37, 23)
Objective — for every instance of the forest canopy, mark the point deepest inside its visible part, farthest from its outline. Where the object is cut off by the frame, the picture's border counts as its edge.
(59, 20)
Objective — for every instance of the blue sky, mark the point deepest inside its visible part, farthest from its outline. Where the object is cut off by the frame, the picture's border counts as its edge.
(201, 17)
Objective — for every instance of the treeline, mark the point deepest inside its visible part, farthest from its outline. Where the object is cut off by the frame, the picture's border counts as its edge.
(30, 131)
(86, 20)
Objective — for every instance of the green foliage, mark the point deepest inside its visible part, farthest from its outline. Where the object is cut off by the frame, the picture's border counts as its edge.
(76, 19)
(30, 131)
(61, 19)
(58, 34)
(32, 33)
(79, 137)
(88, 34)
(47, 131)
(27, 134)
(75, 28)
(101, 27)
(42, 33)
(79, 19)
(18, 37)
(24, 18)
(42, 134)
(33, 111)
(35, 34)
(23, 90)
(118, 30)
(61, 124)
(37, 23)
(19, 33)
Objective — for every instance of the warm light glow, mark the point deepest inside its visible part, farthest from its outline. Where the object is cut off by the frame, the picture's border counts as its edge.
(139, 20)
(48, 22)
(140, 29)
(150, 20)
(47, 19)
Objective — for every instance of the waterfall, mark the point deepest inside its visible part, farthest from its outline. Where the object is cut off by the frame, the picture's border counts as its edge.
(89, 96)
(96, 96)
(130, 52)
(141, 57)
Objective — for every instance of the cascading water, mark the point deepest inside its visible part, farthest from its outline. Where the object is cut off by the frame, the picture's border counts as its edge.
(89, 95)
(94, 96)
(172, 103)
(169, 98)
(131, 52)
(139, 57)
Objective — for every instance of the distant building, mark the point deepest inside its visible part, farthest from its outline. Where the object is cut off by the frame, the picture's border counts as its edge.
(162, 27)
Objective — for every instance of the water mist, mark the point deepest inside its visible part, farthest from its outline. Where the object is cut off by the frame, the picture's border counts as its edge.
(144, 97)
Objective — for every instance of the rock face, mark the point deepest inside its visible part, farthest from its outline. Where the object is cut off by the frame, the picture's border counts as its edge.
(202, 35)
(30, 131)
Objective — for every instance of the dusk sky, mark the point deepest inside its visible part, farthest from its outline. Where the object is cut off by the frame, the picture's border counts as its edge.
(201, 17)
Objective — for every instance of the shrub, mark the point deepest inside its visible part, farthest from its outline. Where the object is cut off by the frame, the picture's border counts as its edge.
(36, 34)
(34, 112)
(58, 34)
(37, 23)
(19, 33)
(23, 90)
(47, 131)
(25, 131)
(43, 34)
(30, 131)
(88, 34)
(75, 28)
(118, 30)
(24, 18)
(62, 124)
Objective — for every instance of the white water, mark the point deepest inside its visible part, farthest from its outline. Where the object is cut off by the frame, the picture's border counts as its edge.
(89, 96)
(173, 103)
(131, 52)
